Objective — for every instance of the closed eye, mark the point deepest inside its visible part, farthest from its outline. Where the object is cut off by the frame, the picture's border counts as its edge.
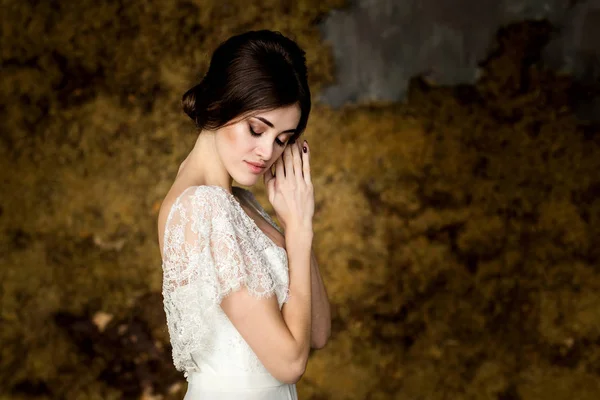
(279, 142)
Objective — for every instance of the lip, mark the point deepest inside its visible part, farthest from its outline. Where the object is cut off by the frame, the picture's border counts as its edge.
(255, 168)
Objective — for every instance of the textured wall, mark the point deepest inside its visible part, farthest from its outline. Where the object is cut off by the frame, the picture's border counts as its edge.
(456, 232)
(379, 45)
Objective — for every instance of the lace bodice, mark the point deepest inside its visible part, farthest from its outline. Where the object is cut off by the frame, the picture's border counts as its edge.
(212, 247)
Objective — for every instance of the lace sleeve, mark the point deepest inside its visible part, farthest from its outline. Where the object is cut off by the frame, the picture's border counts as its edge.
(208, 253)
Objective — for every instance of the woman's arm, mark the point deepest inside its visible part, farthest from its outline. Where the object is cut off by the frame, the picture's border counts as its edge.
(280, 339)
(321, 312)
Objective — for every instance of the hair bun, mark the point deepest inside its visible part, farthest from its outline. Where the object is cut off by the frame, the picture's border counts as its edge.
(189, 100)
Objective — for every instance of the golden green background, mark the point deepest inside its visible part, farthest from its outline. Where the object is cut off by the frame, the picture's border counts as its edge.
(457, 232)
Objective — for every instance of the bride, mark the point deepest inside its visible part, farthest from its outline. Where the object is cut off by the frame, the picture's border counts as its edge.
(243, 297)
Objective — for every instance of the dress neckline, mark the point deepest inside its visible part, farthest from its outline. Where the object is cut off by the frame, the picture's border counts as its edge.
(245, 214)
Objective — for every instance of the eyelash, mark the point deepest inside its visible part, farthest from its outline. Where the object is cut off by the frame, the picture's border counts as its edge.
(279, 142)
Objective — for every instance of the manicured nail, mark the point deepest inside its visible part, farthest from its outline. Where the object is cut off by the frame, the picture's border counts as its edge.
(304, 148)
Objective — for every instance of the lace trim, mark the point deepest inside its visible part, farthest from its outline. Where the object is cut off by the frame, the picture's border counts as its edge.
(256, 205)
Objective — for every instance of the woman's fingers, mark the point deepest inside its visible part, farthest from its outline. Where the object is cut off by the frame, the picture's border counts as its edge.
(288, 161)
(267, 177)
(293, 164)
(306, 163)
(297, 162)
(279, 172)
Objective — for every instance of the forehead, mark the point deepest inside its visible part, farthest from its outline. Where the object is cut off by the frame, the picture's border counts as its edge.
(283, 118)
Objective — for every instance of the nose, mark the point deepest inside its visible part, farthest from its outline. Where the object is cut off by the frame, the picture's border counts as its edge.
(265, 149)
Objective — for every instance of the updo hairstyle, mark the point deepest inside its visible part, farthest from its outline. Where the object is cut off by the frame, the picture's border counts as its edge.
(251, 72)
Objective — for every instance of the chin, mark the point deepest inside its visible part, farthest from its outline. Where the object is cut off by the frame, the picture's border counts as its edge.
(247, 180)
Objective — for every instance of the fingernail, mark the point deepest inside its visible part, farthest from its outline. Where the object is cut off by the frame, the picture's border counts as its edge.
(304, 148)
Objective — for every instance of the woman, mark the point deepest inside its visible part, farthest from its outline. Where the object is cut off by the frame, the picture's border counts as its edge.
(244, 299)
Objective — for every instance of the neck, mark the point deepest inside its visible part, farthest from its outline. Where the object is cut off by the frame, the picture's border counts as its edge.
(203, 166)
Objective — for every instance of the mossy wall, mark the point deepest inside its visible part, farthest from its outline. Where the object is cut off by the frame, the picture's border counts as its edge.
(457, 233)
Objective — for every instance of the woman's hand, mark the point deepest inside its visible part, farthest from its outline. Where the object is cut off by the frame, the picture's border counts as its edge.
(290, 189)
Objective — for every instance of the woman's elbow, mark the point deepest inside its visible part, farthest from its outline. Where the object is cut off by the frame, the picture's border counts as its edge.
(319, 341)
(292, 373)
(319, 344)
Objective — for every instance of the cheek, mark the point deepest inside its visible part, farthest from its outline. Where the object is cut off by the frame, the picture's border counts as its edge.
(230, 137)
(234, 139)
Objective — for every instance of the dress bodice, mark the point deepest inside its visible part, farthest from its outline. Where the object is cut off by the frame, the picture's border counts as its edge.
(211, 248)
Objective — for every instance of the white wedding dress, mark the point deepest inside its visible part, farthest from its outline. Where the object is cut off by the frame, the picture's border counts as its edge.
(211, 248)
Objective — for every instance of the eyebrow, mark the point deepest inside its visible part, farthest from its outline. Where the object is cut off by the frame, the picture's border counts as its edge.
(266, 121)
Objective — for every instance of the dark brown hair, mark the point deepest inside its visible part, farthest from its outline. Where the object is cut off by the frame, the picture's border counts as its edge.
(254, 71)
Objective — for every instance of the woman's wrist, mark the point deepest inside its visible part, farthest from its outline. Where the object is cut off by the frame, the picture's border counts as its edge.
(298, 234)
